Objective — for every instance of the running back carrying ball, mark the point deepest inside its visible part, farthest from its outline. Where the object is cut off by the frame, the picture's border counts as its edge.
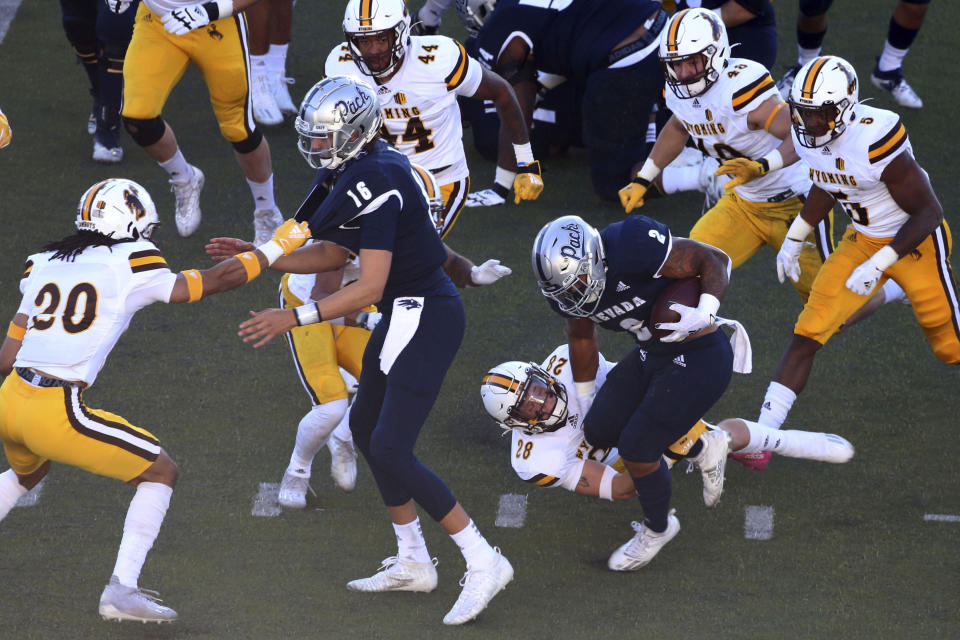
(686, 292)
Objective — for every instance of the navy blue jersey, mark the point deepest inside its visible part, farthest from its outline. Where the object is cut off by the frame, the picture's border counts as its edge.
(374, 202)
(569, 37)
(636, 249)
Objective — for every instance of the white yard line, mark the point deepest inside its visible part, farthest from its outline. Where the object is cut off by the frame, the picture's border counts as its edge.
(758, 523)
(512, 511)
(265, 503)
(940, 517)
(8, 9)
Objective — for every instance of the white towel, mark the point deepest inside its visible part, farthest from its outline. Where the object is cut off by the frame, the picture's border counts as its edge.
(740, 343)
(403, 325)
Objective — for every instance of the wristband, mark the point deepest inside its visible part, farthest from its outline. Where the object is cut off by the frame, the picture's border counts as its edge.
(16, 332)
(272, 251)
(194, 284)
(585, 387)
(523, 152)
(251, 264)
(218, 9)
(799, 227)
(308, 314)
(504, 178)
(772, 161)
(647, 173)
(709, 304)
(606, 483)
(885, 258)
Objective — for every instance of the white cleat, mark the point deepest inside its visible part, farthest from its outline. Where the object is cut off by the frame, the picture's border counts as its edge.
(832, 448)
(293, 489)
(281, 93)
(107, 155)
(120, 602)
(265, 223)
(92, 121)
(710, 183)
(343, 462)
(187, 194)
(399, 575)
(786, 82)
(479, 587)
(894, 82)
(712, 463)
(643, 546)
(265, 109)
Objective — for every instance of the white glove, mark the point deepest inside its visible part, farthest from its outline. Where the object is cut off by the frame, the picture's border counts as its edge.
(485, 198)
(864, 278)
(788, 259)
(369, 319)
(692, 320)
(119, 6)
(488, 272)
(185, 19)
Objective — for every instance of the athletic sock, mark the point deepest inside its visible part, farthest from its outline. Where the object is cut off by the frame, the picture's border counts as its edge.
(411, 545)
(10, 491)
(654, 492)
(144, 517)
(776, 405)
(474, 547)
(263, 194)
(178, 168)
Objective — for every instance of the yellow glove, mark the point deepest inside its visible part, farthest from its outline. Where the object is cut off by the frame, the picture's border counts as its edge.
(631, 196)
(5, 132)
(528, 185)
(291, 235)
(743, 170)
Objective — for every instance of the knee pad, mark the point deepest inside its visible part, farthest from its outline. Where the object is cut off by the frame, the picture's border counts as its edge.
(145, 132)
(814, 7)
(250, 143)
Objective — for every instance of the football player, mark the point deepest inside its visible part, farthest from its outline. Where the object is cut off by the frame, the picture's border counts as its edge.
(662, 386)
(6, 133)
(607, 48)
(751, 26)
(79, 295)
(860, 157)
(167, 36)
(270, 22)
(418, 79)
(548, 449)
(378, 210)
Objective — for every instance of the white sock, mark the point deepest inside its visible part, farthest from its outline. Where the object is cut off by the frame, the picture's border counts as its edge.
(806, 55)
(474, 547)
(891, 58)
(259, 65)
(791, 443)
(312, 433)
(342, 432)
(776, 405)
(10, 491)
(892, 292)
(262, 194)
(277, 59)
(411, 545)
(676, 179)
(178, 167)
(144, 517)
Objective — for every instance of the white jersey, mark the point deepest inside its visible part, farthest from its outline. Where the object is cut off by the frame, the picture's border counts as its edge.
(77, 310)
(849, 168)
(556, 459)
(163, 7)
(419, 103)
(717, 122)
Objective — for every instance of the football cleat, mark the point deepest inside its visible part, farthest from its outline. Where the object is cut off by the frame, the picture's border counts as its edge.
(293, 489)
(893, 82)
(757, 461)
(92, 121)
(343, 462)
(785, 84)
(832, 448)
(712, 463)
(106, 145)
(281, 94)
(187, 194)
(265, 223)
(120, 602)
(479, 588)
(710, 183)
(265, 109)
(639, 550)
(399, 575)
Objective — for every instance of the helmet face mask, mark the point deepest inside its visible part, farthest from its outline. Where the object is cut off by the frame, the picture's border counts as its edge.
(693, 52)
(522, 395)
(473, 13)
(378, 34)
(338, 117)
(822, 100)
(118, 208)
(570, 265)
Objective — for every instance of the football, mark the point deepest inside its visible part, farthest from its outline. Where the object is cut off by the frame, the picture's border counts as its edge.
(686, 291)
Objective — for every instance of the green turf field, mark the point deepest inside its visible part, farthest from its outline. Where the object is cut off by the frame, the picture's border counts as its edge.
(851, 555)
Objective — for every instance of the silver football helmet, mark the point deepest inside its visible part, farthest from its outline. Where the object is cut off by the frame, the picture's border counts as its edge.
(473, 13)
(338, 117)
(522, 395)
(431, 189)
(371, 19)
(822, 100)
(118, 208)
(570, 265)
(693, 36)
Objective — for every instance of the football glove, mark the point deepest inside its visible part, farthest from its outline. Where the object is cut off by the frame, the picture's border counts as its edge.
(119, 6)
(5, 131)
(692, 320)
(291, 235)
(488, 272)
(742, 170)
(487, 197)
(632, 195)
(193, 16)
(788, 259)
(864, 278)
(528, 185)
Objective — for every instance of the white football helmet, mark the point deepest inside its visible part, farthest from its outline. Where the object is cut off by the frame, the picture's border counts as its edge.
(372, 18)
(693, 36)
(823, 98)
(570, 265)
(118, 208)
(338, 117)
(473, 13)
(522, 395)
(431, 189)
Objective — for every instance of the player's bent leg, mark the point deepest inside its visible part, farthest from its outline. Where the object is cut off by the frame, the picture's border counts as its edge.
(792, 443)
(14, 486)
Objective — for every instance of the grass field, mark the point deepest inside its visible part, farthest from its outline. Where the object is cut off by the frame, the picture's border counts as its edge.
(851, 555)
